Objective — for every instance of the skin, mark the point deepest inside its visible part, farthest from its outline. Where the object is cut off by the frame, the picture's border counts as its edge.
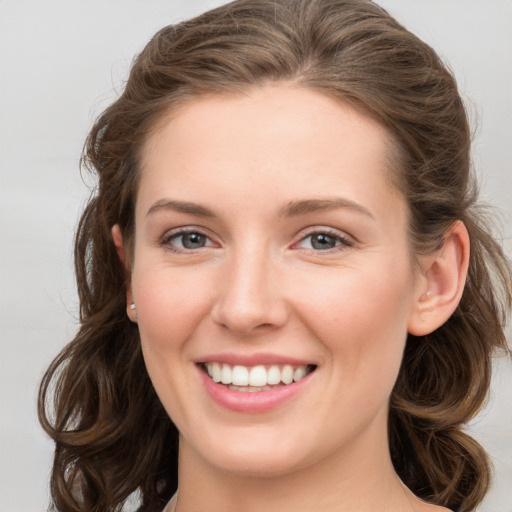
(259, 286)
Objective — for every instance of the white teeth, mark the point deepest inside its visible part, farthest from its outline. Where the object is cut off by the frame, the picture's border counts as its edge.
(299, 373)
(240, 376)
(226, 374)
(249, 389)
(215, 372)
(273, 375)
(255, 378)
(287, 374)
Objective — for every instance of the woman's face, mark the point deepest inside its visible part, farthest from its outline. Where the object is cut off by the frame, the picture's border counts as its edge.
(271, 245)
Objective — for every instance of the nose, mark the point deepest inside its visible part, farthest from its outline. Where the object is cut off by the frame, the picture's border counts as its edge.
(249, 300)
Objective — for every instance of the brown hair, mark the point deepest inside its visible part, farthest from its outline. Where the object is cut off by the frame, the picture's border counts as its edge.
(112, 435)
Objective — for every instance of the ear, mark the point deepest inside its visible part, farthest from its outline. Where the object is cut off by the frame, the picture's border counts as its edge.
(442, 282)
(117, 236)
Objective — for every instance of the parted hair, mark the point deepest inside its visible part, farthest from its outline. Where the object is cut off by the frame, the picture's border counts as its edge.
(112, 435)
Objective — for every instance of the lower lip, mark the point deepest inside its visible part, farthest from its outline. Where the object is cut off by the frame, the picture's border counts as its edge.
(255, 402)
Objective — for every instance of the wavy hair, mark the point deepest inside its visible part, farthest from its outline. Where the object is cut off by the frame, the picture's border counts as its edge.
(112, 435)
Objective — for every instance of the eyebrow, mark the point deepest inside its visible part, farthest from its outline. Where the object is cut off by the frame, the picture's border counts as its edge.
(295, 208)
(180, 207)
(292, 209)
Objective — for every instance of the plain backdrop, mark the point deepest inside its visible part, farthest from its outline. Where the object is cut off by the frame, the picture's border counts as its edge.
(61, 63)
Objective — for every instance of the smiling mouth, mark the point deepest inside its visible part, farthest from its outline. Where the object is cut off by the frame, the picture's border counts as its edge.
(256, 378)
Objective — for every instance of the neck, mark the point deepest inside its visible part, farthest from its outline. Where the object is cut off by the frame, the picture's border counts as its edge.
(343, 481)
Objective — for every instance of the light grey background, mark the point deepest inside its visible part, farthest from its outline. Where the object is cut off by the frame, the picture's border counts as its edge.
(61, 62)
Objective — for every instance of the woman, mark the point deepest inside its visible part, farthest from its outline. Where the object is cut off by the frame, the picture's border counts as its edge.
(283, 272)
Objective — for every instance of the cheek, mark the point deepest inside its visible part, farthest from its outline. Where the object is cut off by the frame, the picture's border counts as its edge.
(169, 306)
(362, 322)
(169, 310)
(360, 302)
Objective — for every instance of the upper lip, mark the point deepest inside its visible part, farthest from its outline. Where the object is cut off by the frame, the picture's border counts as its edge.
(253, 359)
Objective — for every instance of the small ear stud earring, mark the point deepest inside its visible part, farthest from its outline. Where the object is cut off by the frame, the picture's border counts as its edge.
(132, 307)
(426, 295)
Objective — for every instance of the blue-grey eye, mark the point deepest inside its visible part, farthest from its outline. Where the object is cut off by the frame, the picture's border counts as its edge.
(323, 241)
(192, 240)
(183, 240)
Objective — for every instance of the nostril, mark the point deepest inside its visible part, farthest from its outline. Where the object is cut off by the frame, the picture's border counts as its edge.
(247, 305)
(263, 326)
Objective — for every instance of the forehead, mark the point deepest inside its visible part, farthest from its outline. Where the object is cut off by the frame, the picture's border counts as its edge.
(296, 139)
(274, 107)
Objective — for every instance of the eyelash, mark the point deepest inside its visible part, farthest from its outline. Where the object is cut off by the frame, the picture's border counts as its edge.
(342, 242)
(173, 235)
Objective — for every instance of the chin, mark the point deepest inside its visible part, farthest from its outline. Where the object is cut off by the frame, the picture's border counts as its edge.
(248, 456)
(256, 465)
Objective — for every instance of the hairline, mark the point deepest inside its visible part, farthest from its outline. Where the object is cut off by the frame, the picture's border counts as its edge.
(394, 160)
